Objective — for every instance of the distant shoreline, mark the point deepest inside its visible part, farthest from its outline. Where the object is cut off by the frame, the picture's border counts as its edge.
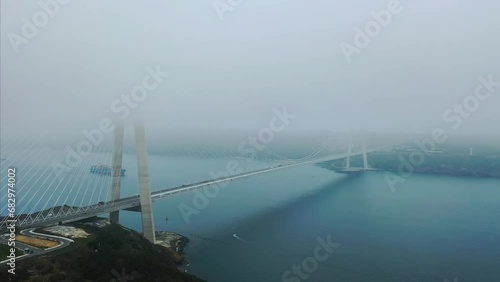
(432, 164)
(427, 173)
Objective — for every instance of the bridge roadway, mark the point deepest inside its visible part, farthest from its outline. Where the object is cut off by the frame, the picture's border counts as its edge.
(134, 202)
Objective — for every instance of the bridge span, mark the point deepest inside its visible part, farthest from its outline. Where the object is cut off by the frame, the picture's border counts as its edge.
(133, 202)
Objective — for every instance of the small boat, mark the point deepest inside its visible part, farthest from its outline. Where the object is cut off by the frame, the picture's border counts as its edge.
(166, 218)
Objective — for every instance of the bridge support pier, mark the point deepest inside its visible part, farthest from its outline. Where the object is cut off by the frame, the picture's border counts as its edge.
(365, 157)
(114, 217)
(348, 164)
(144, 184)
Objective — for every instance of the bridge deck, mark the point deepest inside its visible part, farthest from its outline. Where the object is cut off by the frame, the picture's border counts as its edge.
(134, 201)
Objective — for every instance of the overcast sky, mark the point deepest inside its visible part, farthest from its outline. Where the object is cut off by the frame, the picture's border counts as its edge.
(229, 74)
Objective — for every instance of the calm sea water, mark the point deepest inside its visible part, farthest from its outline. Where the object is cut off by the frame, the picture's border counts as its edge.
(432, 228)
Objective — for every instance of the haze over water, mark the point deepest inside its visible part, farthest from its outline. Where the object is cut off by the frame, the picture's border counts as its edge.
(203, 82)
(431, 228)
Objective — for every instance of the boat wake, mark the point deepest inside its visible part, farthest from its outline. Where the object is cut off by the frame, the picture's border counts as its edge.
(240, 239)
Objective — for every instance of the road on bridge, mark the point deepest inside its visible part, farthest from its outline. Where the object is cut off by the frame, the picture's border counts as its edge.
(134, 201)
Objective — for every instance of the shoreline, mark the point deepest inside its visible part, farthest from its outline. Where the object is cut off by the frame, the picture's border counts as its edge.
(436, 173)
(175, 243)
(438, 164)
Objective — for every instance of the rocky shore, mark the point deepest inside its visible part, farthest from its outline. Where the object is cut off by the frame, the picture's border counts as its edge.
(174, 242)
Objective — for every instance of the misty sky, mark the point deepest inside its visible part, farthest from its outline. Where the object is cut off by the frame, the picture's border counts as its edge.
(230, 74)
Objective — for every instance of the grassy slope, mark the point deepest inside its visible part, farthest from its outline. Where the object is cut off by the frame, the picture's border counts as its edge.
(112, 252)
(5, 251)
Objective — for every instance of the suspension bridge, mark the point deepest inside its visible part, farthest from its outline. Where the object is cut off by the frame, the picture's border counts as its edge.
(55, 210)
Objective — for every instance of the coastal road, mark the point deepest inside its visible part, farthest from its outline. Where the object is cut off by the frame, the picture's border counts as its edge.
(63, 242)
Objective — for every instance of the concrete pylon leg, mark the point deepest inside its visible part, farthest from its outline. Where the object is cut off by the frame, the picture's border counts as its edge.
(365, 157)
(116, 171)
(348, 165)
(144, 184)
